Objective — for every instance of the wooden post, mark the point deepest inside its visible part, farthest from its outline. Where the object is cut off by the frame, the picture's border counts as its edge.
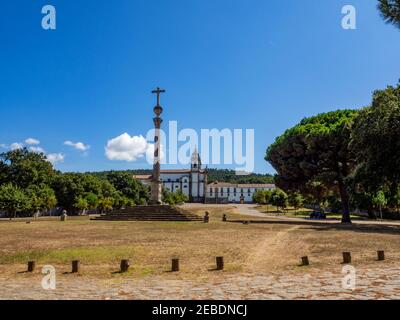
(206, 218)
(31, 266)
(124, 265)
(75, 266)
(305, 261)
(175, 265)
(346, 257)
(381, 255)
(220, 263)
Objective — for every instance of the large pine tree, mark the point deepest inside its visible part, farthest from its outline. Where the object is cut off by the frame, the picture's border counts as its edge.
(390, 11)
(316, 152)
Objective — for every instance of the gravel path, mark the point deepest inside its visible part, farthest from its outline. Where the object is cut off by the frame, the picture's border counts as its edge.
(308, 284)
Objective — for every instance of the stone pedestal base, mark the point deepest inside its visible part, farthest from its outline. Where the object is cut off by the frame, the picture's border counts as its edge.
(156, 193)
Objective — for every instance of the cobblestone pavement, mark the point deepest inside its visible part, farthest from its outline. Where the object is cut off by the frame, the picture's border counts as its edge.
(371, 283)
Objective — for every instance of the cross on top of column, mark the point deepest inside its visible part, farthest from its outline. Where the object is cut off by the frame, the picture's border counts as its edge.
(158, 91)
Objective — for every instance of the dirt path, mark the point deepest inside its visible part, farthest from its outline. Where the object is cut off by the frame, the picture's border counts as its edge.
(242, 209)
(269, 251)
(249, 210)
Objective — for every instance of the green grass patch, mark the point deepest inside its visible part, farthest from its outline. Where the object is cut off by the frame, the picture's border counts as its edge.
(84, 254)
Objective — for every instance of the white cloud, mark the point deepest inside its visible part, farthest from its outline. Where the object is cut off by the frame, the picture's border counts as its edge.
(126, 148)
(32, 141)
(3, 146)
(55, 157)
(77, 145)
(16, 146)
(37, 149)
(52, 157)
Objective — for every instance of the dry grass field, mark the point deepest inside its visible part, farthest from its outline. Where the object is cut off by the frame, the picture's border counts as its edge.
(252, 248)
(253, 254)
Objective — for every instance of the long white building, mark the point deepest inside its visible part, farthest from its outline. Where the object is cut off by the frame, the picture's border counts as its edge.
(221, 192)
(194, 183)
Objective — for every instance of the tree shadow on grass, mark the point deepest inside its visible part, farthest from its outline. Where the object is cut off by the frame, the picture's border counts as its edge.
(325, 226)
(118, 272)
(360, 228)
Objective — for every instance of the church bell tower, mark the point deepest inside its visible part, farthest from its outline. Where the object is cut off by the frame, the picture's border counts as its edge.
(195, 161)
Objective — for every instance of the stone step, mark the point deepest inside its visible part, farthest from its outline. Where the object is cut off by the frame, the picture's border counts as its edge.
(150, 213)
(148, 219)
(151, 217)
(145, 219)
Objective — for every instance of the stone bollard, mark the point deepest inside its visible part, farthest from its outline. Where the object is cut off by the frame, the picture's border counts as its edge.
(76, 266)
(305, 261)
(124, 266)
(381, 255)
(224, 218)
(207, 217)
(346, 257)
(220, 263)
(31, 266)
(64, 216)
(175, 265)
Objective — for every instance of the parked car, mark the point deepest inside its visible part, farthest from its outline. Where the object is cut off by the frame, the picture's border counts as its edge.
(318, 215)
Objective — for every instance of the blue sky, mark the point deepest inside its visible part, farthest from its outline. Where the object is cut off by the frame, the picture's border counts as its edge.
(226, 64)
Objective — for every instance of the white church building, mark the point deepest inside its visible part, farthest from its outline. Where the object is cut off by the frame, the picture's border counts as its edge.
(194, 183)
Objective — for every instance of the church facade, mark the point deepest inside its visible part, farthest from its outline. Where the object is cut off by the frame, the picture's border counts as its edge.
(194, 184)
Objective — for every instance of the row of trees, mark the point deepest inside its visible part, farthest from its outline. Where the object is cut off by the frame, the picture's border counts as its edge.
(230, 176)
(29, 184)
(279, 198)
(225, 175)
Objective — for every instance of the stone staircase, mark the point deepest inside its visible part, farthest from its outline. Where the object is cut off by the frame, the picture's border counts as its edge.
(150, 213)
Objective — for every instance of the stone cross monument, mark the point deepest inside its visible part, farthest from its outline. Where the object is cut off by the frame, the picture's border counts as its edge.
(156, 185)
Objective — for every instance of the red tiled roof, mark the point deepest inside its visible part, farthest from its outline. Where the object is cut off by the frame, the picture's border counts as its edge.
(171, 171)
(142, 177)
(175, 171)
(235, 185)
(257, 185)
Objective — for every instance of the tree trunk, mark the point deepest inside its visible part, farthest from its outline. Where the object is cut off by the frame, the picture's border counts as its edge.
(345, 202)
(371, 213)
